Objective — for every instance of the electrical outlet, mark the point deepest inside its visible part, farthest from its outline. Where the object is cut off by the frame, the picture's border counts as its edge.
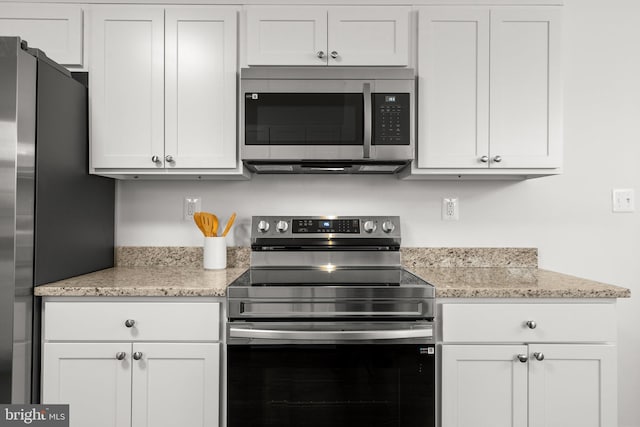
(191, 205)
(623, 200)
(450, 211)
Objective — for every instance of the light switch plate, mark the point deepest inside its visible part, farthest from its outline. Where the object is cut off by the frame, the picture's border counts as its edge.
(623, 200)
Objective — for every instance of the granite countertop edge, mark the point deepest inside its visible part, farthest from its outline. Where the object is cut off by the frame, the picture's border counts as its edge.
(449, 282)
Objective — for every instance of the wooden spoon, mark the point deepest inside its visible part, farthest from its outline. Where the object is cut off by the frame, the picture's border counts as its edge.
(214, 228)
(229, 224)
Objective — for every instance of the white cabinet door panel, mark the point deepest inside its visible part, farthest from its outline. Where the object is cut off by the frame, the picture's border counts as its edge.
(55, 29)
(89, 378)
(454, 87)
(573, 386)
(127, 97)
(368, 35)
(286, 35)
(484, 386)
(200, 71)
(176, 385)
(526, 92)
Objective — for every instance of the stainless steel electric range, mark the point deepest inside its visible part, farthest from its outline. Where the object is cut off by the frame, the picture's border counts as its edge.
(327, 328)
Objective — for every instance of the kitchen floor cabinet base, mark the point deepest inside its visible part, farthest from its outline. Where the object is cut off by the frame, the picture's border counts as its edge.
(133, 362)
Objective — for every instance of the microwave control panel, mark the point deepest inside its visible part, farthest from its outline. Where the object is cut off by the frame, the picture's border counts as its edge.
(391, 122)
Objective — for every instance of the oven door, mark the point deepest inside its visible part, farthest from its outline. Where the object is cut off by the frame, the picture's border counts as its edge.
(331, 374)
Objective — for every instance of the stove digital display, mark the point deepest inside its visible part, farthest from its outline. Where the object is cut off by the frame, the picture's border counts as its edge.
(325, 226)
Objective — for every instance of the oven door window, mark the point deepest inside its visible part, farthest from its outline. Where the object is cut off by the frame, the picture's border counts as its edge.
(304, 119)
(331, 385)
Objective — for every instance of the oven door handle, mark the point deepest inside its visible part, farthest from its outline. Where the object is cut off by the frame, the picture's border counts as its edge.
(275, 334)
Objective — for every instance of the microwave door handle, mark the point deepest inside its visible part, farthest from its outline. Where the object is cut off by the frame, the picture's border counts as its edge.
(367, 121)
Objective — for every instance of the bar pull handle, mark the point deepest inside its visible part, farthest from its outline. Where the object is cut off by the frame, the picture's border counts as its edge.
(330, 335)
(367, 120)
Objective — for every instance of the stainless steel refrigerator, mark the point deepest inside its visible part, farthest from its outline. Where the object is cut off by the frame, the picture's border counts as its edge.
(56, 220)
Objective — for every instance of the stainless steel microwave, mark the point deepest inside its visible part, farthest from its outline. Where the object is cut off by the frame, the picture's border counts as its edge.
(327, 120)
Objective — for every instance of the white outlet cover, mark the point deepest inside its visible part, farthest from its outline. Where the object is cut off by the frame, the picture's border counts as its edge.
(190, 205)
(450, 209)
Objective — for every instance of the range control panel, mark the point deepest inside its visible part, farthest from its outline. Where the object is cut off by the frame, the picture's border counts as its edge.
(291, 227)
(325, 225)
(391, 122)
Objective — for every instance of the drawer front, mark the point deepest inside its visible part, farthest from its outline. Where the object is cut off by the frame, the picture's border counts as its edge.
(508, 323)
(106, 321)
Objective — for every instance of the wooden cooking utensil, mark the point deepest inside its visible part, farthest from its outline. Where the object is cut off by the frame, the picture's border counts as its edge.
(214, 228)
(229, 224)
(207, 223)
(197, 218)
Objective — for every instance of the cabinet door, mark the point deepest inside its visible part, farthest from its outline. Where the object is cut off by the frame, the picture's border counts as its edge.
(176, 385)
(526, 92)
(453, 122)
(127, 87)
(55, 29)
(368, 36)
(200, 71)
(286, 36)
(484, 386)
(573, 386)
(89, 378)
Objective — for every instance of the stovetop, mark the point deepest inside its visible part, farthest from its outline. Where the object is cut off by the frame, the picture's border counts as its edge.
(325, 268)
(272, 277)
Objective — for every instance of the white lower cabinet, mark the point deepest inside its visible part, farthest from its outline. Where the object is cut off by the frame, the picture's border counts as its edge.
(133, 382)
(89, 378)
(489, 382)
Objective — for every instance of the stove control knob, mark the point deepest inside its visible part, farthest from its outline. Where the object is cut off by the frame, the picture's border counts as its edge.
(263, 226)
(369, 226)
(388, 227)
(282, 226)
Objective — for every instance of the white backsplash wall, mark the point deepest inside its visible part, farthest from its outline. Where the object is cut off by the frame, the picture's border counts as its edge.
(568, 217)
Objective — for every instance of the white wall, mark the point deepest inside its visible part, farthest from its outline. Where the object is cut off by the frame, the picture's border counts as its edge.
(567, 217)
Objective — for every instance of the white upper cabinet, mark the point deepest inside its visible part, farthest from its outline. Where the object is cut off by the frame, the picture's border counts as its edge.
(163, 90)
(526, 94)
(200, 87)
(453, 87)
(54, 29)
(368, 36)
(127, 87)
(490, 93)
(335, 36)
(286, 35)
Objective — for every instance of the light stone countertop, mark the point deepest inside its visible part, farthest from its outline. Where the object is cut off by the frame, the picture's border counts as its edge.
(144, 281)
(450, 282)
(500, 282)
